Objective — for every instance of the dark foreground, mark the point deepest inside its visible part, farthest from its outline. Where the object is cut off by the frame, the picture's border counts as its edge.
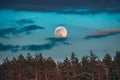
(39, 68)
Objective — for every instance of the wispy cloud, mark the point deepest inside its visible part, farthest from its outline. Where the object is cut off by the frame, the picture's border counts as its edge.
(103, 33)
(88, 10)
(58, 40)
(33, 47)
(4, 33)
(32, 27)
(7, 31)
(53, 5)
(52, 42)
(8, 48)
(24, 21)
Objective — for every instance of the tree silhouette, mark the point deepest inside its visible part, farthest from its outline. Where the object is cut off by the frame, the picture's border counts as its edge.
(116, 65)
(37, 67)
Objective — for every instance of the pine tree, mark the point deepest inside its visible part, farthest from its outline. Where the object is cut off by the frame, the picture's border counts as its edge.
(49, 70)
(116, 65)
(39, 65)
(21, 66)
(107, 60)
(40, 68)
(75, 66)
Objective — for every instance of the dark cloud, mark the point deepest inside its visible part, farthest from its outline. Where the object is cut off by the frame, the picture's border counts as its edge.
(24, 21)
(32, 27)
(27, 47)
(52, 43)
(103, 33)
(38, 47)
(7, 31)
(4, 33)
(59, 40)
(55, 40)
(53, 5)
(66, 43)
(28, 29)
(8, 48)
(88, 11)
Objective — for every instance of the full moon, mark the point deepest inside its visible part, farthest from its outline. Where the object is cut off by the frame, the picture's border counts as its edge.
(60, 32)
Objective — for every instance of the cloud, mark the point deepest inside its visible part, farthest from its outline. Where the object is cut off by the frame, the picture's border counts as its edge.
(52, 43)
(38, 47)
(4, 33)
(32, 27)
(55, 40)
(24, 21)
(88, 10)
(53, 5)
(7, 31)
(8, 48)
(58, 40)
(26, 47)
(28, 29)
(103, 33)
(73, 11)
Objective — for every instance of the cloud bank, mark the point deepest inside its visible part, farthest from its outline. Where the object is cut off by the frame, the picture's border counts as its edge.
(7, 31)
(103, 33)
(24, 21)
(88, 10)
(52, 43)
(4, 33)
(32, 27)
(8, 47)
(54, 5)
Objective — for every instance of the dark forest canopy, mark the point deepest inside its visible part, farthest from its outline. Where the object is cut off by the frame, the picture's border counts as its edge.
(37, 67)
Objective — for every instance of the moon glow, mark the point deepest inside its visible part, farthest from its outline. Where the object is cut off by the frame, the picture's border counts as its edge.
(60, 32)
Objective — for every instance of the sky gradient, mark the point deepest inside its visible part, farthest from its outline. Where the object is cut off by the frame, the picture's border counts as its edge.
(28, 26)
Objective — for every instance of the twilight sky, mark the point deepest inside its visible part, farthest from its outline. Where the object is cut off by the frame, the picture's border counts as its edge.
(28, 26)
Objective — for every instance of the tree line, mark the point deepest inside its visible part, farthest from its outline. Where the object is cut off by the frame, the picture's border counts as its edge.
(37, 67)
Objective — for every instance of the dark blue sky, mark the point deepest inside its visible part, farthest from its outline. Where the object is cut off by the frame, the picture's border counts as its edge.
(28, 26)
(51, 5)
